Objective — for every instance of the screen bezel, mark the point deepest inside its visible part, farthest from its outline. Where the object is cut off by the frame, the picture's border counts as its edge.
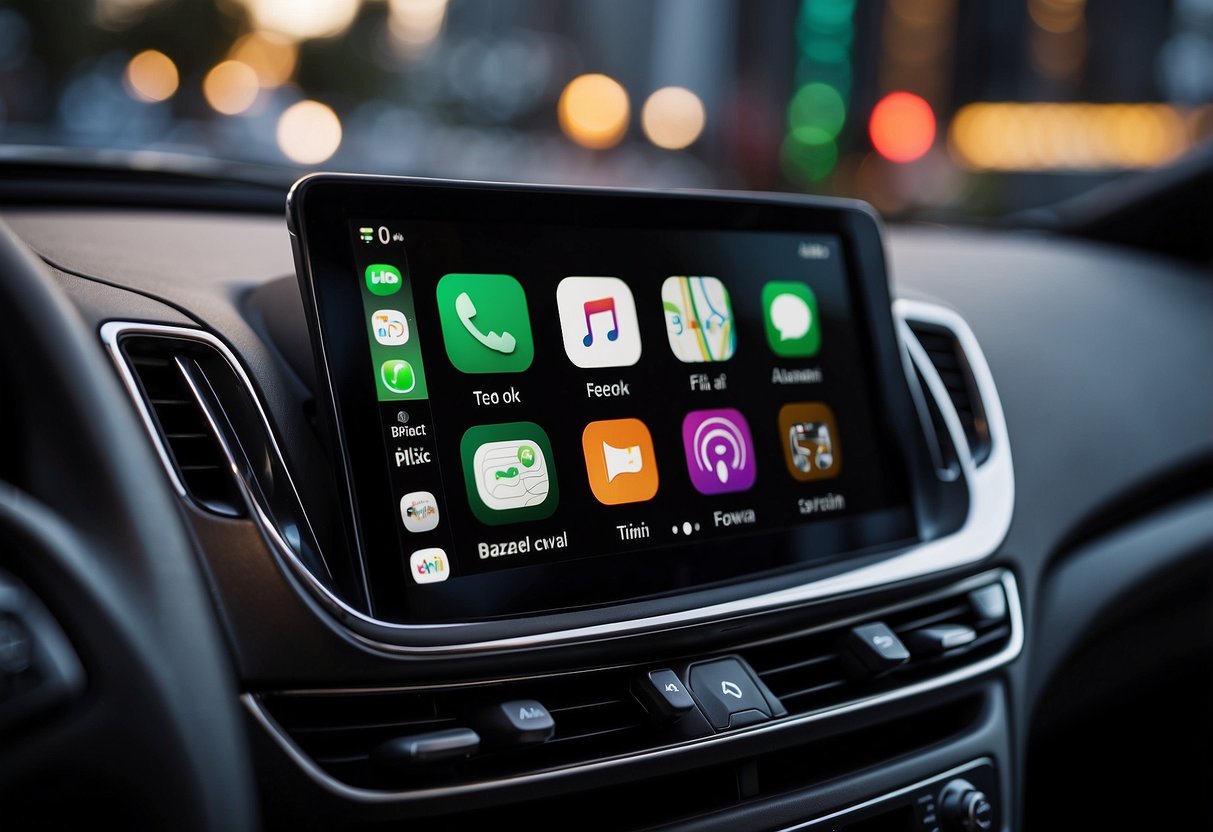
(322, 206)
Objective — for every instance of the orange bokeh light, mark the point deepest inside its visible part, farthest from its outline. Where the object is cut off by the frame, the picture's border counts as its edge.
(902, 127)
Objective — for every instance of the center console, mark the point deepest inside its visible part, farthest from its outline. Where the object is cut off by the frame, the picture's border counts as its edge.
(638, 500)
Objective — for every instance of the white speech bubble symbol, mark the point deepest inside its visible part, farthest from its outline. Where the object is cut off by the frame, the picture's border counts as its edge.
(791, 316)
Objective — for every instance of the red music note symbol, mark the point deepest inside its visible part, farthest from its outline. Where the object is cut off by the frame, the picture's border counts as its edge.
(595, 307)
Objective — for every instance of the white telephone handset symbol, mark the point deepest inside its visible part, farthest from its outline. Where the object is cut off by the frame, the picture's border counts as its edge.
(466, 310)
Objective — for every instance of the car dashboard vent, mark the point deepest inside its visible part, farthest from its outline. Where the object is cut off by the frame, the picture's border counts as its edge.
(162, 369)
(610, 713)
(812, 672)
(215, 441)
(340, 731)
(947, 356)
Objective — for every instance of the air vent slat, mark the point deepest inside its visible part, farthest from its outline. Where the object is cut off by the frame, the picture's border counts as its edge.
(944, 351)
(809, 691)
(400, 726)
(799, 665)
(951, 614)
(202, 469)
(585, 735)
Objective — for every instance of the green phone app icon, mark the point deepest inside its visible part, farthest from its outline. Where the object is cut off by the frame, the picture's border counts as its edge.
(790, 310)
(383, 279)
(397, 376)
(485, 323)
(509, 473)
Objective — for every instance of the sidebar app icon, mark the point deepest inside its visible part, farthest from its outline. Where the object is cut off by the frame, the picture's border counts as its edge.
(429, 566)
(719, 450)
(419, 511)
(383, 279)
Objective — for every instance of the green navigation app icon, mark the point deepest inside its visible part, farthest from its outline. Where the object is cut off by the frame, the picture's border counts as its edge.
(790, 311)
(508, 472)
(383, 279)
(485, 323)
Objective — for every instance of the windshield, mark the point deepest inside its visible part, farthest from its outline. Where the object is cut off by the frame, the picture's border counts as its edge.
(918, 106)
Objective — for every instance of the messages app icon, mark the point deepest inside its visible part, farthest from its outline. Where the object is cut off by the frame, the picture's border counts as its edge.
(508, 472)
(485, 323)
(790, 311)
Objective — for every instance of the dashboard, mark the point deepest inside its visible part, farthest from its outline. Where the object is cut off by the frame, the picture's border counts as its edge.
(995, 603)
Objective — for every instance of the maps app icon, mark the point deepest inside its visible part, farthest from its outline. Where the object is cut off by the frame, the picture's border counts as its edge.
(698, 319)
(508, 472)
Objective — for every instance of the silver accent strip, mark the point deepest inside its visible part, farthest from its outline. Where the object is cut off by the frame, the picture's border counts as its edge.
(362, 795)
(875, 801)
(991, 503)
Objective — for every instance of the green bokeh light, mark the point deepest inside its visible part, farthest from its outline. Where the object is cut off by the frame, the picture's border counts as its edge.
(828, 50)
(807, 162)
(826, 16)
(817, 105)
(824, 35)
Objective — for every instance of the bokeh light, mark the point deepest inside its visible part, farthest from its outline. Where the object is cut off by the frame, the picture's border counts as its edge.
(230, 87)
(120, 14)
(1057, 16)
(416, 24)
(593, 111)
(303, 19)
(902, 127)
(272, 56)
(807, 162)
(817, 113)
(1014, 136)
(309, 132)
(673, 118)
(151, 76)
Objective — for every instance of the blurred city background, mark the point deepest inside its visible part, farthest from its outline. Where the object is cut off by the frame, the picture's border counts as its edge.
(936, 108)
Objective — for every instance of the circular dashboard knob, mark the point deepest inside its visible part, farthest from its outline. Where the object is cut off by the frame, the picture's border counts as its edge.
(965, 808)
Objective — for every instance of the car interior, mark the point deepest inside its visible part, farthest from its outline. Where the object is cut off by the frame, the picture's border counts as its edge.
(567, 497)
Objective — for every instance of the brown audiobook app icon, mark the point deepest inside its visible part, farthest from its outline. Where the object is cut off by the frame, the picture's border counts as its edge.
(810, 441)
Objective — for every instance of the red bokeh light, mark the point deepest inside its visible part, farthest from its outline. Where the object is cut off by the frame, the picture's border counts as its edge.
(902, 127)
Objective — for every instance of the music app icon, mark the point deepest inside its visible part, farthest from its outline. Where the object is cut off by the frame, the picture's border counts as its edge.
(598, 321)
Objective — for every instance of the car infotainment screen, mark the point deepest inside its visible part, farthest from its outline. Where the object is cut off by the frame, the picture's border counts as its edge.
(572, 398)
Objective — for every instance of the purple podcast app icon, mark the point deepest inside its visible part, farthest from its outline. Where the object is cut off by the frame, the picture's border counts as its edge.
(720, 452)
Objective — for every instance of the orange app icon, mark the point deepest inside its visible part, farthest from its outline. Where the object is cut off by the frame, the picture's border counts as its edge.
(619, 460)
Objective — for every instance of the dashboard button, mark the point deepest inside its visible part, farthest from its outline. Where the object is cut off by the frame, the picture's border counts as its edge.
(989, 604)
(431, 747)
(725, 688)
(666, 693)
(517, 722)
(932, 641)
(876, 648)
(966, 808)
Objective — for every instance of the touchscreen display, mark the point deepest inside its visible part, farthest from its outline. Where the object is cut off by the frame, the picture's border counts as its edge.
(675, 402)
